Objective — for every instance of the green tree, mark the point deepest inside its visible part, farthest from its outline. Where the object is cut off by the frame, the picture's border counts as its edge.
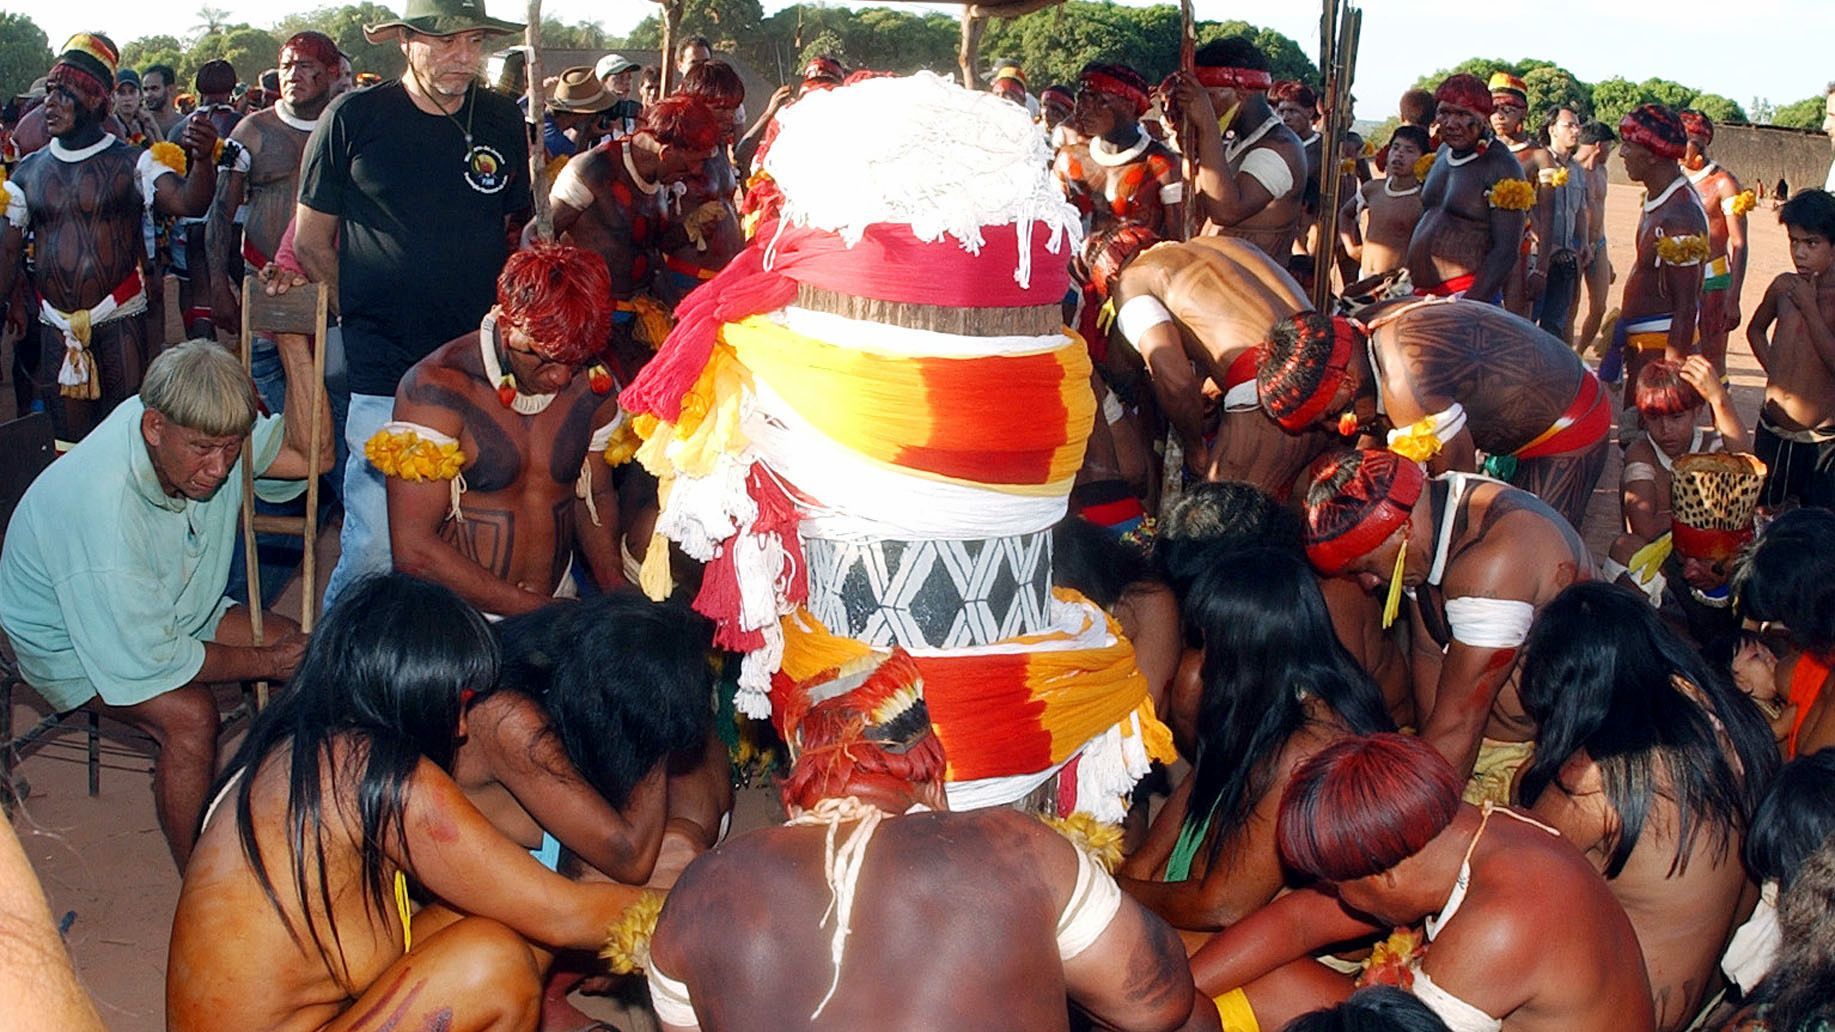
(1718, 108)
(827, 41)
(1482, 67)
(585, 35)
(345, 26)
(1052, 45)
(250, 51)
(25, 53)
(1672, 95)
(1804, 114)
(1552, 86)
(210, 20)
(1615, 98)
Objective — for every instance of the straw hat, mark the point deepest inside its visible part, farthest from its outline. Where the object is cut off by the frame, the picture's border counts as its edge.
(581, 91)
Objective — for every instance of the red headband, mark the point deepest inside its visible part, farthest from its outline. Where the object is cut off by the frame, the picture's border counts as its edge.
(1635, 131)
(1694, 123)
(1102, 82)
(78, 81)
(1223, 77)
(1407, 479)
(1465, 91)
(1344, 342)
(315, 45)
(1708, 543)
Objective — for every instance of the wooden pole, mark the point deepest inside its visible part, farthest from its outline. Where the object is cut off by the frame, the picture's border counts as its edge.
(665, 75)
(538, 115)
(967, 53)
(1188, 64)
(1339, 78)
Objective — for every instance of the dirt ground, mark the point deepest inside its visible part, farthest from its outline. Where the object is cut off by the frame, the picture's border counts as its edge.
(112, 884)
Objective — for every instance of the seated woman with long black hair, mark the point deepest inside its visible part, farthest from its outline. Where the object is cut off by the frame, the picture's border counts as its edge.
(1652, 765)
(1278, 687)
(295, 912)
(598, 701)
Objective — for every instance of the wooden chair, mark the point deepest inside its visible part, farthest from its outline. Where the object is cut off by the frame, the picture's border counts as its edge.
(302, 311)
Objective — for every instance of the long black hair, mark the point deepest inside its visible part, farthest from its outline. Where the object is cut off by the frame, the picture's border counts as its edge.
(624, 681)
(1268, 640)
(385, 673)
(1602, 672)
(1212, 518)
(1788, 577)
(1090, 560)
(1796, 817)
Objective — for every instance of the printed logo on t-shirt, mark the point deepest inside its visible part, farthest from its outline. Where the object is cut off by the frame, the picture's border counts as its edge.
(486, 170)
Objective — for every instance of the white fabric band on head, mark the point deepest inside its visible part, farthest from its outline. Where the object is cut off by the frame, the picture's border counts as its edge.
(669, 998)
(1172, 193)
(1091, 908)
(1269, 169)
(1141, 313)
(570, 187)
(1489, 623)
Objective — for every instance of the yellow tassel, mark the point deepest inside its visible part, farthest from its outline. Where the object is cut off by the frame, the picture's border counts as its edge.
(1392, 604)
(1105, 316)
(1417, 441)
(170, 155)
(627, 942)
(1101, 841)
(1744, 202)
(654, 576)
(1423, 165)
(1512, 195)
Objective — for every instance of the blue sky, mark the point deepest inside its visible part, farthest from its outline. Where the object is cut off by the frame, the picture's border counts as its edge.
(1740, 48)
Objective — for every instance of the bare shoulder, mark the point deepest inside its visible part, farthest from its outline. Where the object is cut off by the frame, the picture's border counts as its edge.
(1641, 450)
(1498, 164)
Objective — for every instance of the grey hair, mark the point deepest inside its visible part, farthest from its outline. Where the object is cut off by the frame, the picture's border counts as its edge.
(200, 386)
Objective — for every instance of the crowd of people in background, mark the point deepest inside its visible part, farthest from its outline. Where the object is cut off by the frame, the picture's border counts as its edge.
(1440, 763)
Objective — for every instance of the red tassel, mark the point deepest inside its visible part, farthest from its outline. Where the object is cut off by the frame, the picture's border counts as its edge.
(506, 391)
(599, 378)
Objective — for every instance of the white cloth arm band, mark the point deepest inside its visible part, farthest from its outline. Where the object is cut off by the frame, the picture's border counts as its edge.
(17, 213)
(1638, 473)
(1092, 906)
(1489, 623)
(571, 188)
(669, 998)
(1269, 169)
(1141, 313)
(1172, 193)
(603, 436)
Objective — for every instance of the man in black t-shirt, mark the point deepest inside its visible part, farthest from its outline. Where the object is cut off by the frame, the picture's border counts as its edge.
(408, 193)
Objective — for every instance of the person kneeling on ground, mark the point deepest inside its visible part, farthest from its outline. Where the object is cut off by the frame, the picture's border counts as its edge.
(118, 557)
(871, 859)
(1653, 766)
(295, 912)
(1520, 928)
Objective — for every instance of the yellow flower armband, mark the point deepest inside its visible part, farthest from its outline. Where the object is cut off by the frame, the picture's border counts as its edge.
(1552, 177)
(1512, 195)
(170, 155)
(1424, 438)
(627, 943)
(1739, 204)
(1423, 165)
(1682, 250)
(415, 453)
(1101, 841)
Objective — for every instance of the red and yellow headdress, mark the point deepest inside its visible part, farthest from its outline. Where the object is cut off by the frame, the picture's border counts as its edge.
(1504, 84)
(87, 67)
(863, 723)
(1465, 91)
(1656, 129)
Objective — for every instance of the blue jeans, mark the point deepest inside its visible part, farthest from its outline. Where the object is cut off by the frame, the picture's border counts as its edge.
(1554, 309)
(364, 542)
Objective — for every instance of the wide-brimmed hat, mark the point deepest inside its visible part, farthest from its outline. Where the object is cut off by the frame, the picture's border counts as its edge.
(441, 18)
(581, 91)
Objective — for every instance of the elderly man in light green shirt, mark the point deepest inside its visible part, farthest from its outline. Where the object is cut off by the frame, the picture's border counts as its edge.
(117, 558)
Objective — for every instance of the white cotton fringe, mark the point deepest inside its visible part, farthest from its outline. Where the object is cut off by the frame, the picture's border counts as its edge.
(923, 152)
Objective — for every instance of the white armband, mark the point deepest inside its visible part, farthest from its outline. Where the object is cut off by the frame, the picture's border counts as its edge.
(669, 998)
(148, 171)
(1269, 169)
(570, 187)
(12, 199)
(1489, 623)
(603, 436)
(1112, 410)
(1638, 473)
(1092, 906)
(1172, 193)
(1443, 425)
(1142, 313)
(241, 163)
